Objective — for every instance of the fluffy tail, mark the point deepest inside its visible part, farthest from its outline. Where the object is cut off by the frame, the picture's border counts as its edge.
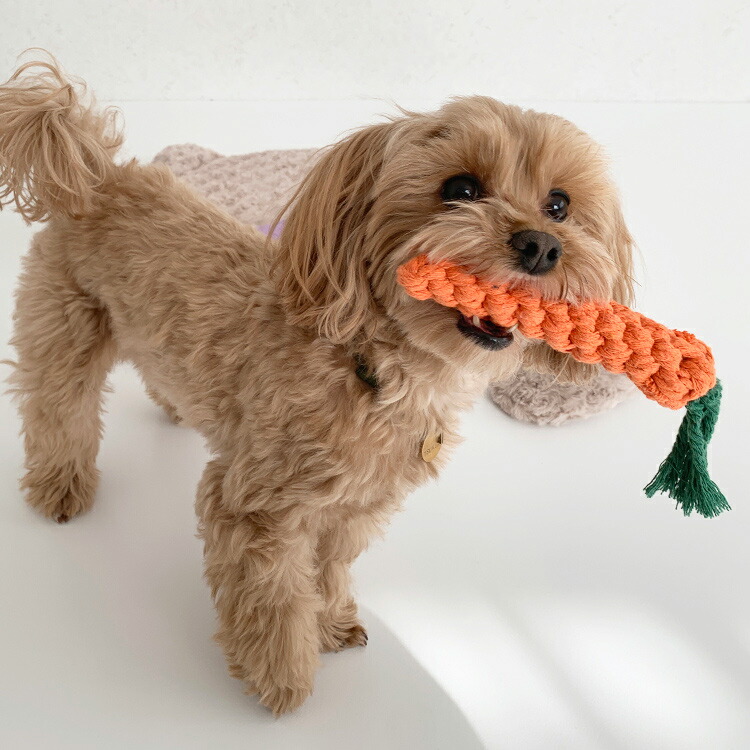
(55, 149)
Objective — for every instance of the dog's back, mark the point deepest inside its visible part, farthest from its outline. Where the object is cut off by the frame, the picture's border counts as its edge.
(57, 163)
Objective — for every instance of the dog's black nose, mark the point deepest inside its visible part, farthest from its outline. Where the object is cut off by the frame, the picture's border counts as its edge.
(538, 252)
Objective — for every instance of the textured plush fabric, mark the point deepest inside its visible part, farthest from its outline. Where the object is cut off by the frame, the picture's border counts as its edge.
(254, 187)
(534, 397)
(251, 187)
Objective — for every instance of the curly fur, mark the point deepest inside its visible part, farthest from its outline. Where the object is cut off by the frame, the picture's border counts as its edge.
(253, 342)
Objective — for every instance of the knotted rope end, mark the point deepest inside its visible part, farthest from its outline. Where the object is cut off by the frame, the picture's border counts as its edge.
(683, 475)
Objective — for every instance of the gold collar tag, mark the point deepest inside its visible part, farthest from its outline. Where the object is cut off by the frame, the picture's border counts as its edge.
(431, 446)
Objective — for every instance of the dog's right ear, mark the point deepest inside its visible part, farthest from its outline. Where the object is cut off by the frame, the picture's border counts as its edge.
(322, 261)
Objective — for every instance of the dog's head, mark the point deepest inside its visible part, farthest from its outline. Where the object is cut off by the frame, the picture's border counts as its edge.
(514, 195)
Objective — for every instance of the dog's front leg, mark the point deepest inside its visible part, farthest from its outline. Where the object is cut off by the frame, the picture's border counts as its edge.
(261, 569)
(338, 546)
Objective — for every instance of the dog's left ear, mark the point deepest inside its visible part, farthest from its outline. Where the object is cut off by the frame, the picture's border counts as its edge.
(322, 259)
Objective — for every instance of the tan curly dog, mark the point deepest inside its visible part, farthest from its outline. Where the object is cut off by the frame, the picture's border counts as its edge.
(320, 386)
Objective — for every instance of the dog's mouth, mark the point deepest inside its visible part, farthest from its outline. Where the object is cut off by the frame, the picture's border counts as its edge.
(485, 333)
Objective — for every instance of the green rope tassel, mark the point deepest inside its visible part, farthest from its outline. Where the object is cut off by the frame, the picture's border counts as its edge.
(683, 474)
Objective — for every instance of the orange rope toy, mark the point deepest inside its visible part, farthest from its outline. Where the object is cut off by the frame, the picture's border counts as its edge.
(673, 368)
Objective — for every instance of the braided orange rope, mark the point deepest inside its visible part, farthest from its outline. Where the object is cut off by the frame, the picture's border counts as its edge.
(670, 367)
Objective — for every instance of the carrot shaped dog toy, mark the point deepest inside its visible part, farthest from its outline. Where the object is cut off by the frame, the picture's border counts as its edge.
(673, 368)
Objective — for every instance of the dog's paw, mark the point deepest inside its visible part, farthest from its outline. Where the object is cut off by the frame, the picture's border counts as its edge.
(60, 492)
(281, 699)
(338, 636)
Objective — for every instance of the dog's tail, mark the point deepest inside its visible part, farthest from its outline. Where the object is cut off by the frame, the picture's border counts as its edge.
(56, 150)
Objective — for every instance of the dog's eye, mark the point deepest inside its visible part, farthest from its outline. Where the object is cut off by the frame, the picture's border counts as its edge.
(556, 205)
(462, 187)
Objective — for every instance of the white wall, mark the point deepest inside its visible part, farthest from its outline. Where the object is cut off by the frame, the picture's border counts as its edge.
(584, 50)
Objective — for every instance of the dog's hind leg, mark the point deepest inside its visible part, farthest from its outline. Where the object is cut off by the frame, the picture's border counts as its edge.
(65, 351)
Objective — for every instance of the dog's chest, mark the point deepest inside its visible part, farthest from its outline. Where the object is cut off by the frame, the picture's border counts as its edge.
(403, 445)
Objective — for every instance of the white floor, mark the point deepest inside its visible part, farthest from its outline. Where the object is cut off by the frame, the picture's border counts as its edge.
(531, 599)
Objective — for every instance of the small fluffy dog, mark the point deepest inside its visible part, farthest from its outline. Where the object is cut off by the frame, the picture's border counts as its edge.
(322, 389)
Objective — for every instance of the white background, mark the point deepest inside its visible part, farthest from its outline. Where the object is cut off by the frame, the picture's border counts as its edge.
(593, 50)
(532, 598)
